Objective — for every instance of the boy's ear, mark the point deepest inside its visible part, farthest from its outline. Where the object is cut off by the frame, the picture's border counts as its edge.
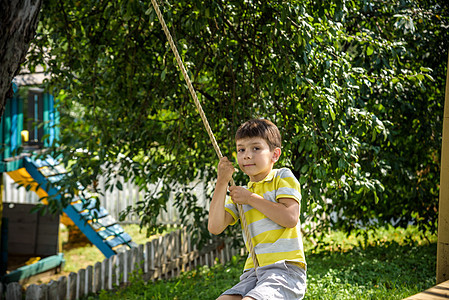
(276, 155)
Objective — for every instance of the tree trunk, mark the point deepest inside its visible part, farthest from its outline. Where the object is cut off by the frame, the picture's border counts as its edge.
(18, 22)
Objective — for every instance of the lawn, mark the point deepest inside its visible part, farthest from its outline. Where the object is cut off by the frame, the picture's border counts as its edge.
(392, 264)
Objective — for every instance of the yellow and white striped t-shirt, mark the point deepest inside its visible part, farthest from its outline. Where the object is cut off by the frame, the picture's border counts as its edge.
(272, 242)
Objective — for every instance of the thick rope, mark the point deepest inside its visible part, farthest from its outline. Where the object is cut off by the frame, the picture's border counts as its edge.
(206, 125)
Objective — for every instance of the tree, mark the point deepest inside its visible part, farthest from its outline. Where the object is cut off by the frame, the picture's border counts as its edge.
(349, 84)
(18, 22)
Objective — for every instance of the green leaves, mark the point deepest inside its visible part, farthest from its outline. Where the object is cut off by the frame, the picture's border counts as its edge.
(354, 92)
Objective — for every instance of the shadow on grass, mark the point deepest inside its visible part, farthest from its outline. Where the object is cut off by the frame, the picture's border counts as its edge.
(385, 271)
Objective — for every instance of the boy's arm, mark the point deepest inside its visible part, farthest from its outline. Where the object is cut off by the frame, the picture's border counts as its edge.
(219, 218)
(285, 212)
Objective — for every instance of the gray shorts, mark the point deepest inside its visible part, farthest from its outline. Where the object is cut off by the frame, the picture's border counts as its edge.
(277, 281)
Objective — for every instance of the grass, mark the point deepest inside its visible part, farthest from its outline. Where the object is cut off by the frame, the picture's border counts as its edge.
(392, 264)
(80, 255)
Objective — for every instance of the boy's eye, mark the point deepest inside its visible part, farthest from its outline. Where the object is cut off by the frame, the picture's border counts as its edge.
(256, 148)
(241, 150)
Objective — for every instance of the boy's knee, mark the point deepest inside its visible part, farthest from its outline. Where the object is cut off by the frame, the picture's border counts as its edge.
(231, 297)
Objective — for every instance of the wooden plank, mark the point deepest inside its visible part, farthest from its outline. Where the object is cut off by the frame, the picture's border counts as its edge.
(83, 205)
(47, 227)
(20, 249)
(34, 292)
(113, 230)
(135, 259)
(19, 211)
(123, 238)
(110, 276)
(124, 267)
(45, 264)
(31, 234)
(53, 290)
(443, 210)
(156, 255)
(131, 258)
(71, 286)
(157, 247)
(62, 287)
(177, 248)
(184, 248)
(197, 260)
(221, 254)
(192, 263)
(440, 291)
(148, 257)
(141, 258)
(89, 280)
(163, 251)
(94, 213)
(105, 276)
(227, 253)
(97, 277)
(46, 249)
(105, 222)
(171, 246)
(21, 227)
(81, 283)
(121, 267)
(21, 238)
(114, 271)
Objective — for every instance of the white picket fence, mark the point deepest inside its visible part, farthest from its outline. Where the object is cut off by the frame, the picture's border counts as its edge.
(160, 258)
(14, 194)
(114, 201)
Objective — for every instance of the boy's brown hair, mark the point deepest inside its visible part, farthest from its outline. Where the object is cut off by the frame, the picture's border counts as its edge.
(260, 128)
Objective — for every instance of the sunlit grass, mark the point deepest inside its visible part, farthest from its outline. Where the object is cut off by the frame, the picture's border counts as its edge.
(79, 257)
(341, 241)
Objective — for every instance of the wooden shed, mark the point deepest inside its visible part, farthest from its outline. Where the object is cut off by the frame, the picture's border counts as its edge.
(31, 242)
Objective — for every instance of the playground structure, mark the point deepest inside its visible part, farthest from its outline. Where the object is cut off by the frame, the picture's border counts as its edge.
(19, 130)
(443, 218)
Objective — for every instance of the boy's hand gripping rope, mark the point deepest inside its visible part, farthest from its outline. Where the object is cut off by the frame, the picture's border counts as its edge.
(206, 125)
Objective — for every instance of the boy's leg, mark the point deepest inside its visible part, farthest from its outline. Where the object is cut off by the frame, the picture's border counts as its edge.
(230, 297)
(279, 281)
(233, 297)
(248, 281)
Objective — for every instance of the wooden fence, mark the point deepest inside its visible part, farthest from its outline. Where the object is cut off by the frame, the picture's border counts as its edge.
(113, 201)
(160, 258)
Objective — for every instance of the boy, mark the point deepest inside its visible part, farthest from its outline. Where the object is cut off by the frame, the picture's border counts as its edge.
(271, 206)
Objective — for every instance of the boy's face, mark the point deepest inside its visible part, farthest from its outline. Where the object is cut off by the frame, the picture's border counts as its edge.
(255, 157)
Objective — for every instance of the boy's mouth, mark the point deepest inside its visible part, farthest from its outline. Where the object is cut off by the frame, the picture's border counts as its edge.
(249, 165)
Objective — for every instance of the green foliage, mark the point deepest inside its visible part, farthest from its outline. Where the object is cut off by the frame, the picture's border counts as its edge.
(355, 87)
